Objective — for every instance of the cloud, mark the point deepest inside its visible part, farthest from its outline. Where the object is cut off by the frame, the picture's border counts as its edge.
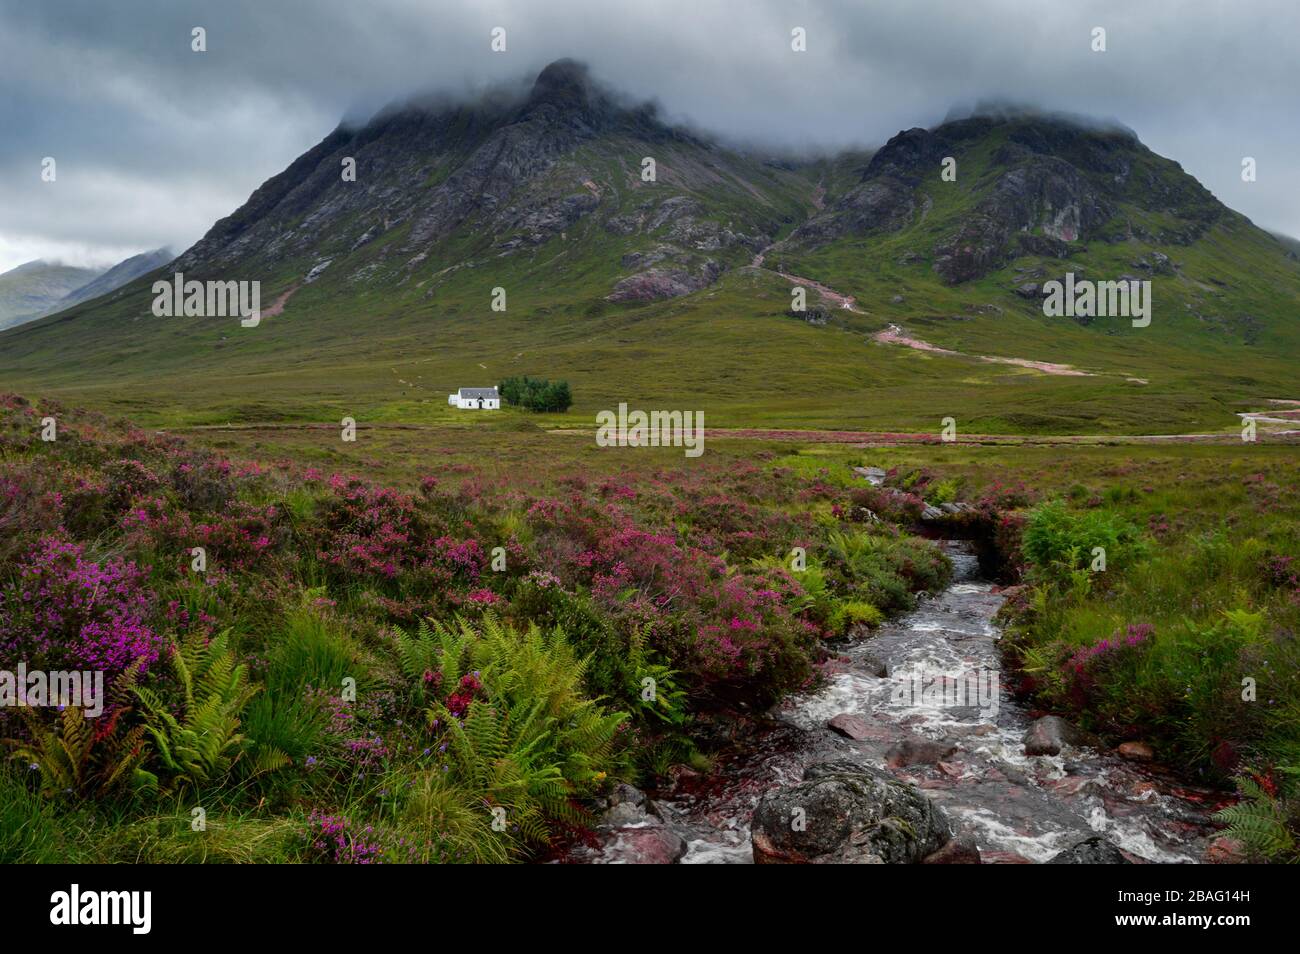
(154, 141)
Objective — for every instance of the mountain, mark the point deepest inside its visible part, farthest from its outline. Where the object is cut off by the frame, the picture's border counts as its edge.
(34, 288)
(40, 288)
(1042, 184)
(502, 178)
(674, 290)
(120, 274)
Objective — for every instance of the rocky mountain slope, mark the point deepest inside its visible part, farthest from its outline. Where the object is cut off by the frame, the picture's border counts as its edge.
(501, 177)
(923, 289)
(1041, 184)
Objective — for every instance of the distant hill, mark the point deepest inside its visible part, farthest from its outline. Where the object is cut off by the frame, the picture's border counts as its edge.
(41, 288)
(124, 271)
(1291, 243)
(673, 290)
(34, 288)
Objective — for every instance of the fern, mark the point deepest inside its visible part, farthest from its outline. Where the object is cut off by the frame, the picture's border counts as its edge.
(74, 758)
(204, 743)
(441, 649)
(1261, 822)
(537, 742)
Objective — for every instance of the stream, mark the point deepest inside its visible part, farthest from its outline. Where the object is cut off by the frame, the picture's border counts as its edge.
(965, 752)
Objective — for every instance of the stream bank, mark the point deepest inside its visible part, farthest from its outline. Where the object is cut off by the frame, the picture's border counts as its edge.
(923, 702)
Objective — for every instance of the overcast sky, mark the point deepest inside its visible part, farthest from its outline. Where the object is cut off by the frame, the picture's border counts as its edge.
(154, 142)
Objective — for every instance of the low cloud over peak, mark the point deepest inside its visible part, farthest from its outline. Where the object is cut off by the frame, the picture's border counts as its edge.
(155, 141)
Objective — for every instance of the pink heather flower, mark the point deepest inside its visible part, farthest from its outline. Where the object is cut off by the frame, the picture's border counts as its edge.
(484, 597)
(65, 610)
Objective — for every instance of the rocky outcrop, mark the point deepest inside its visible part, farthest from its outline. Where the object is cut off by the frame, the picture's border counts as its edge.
(816, 315)
(1157, 263)
(1051, 183)
(538, 222)
(884, 205)
(885, 199)
(1045, 197)
(656, 283)
(499, 176)
(845, 813)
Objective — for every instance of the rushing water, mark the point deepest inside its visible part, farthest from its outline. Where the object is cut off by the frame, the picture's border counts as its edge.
(1019, 808)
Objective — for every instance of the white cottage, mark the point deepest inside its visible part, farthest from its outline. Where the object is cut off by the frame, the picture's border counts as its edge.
(476, 399)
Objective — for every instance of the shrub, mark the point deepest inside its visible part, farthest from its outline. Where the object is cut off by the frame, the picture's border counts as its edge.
(1179, 686)
(76, 757)
(885, 571)
(854, 613)
(66, 611)
(1057, 541)
(945, 491)
(886, 504)
(536, 394)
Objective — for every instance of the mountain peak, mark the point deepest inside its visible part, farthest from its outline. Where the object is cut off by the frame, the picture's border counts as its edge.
(33, 265)
(565, 82)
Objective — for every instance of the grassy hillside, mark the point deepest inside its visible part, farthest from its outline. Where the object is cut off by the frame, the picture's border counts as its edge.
(399, 312)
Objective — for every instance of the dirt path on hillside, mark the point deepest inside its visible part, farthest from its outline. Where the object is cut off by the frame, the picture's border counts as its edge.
(839, 299)
(827, 293)
(895, 335)
(277, 307)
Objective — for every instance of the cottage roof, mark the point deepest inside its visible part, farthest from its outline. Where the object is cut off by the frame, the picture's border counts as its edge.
(478, 392)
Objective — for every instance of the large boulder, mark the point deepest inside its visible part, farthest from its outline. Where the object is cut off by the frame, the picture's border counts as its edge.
(843, 813)
(628, 805)
(1091, 851)
(634, 832)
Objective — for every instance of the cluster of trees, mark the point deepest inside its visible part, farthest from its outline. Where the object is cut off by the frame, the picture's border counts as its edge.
(536, 394)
